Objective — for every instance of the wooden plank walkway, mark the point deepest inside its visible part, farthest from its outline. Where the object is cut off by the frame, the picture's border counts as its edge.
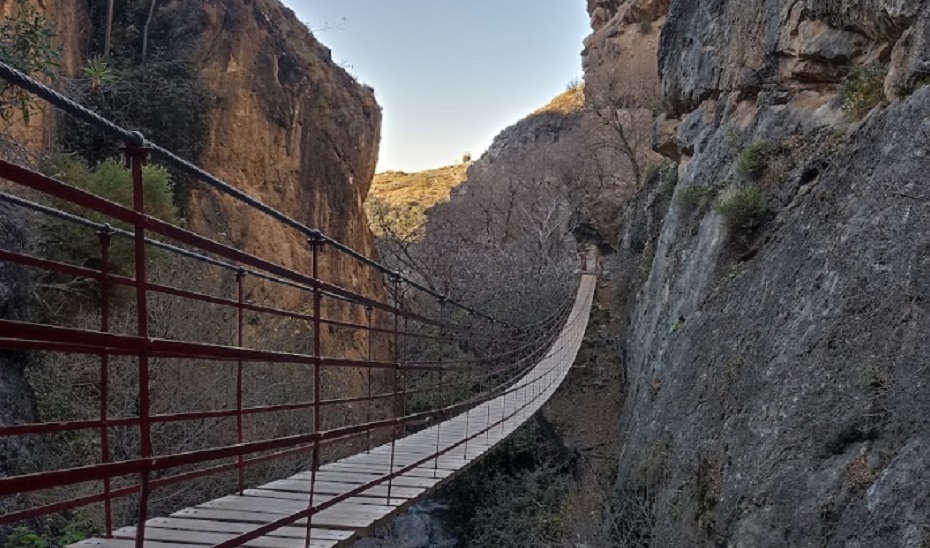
(222, 519)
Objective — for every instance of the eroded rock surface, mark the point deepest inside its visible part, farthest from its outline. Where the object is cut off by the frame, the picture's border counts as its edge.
(778, 376)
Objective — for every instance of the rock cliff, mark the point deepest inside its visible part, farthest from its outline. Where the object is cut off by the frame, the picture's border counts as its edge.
(290, 127)
(69, 19)
(777, 372)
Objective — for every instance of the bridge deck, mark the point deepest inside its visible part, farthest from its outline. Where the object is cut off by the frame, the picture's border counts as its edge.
(460, 440)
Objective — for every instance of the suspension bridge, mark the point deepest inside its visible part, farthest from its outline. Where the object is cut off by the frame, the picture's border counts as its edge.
(359, 459)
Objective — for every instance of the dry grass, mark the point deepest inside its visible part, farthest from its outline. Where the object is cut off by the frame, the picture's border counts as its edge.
(860, 474)
(570, 102)
(397, 201)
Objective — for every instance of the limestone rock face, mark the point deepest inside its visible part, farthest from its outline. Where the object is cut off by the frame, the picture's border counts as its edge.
(290, 127)
(69, 19)
(777, 380)
(713, 47)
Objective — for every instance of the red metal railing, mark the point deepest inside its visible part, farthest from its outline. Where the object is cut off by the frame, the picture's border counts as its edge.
(495, 354)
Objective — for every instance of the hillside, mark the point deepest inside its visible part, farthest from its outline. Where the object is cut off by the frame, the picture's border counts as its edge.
(397, 201)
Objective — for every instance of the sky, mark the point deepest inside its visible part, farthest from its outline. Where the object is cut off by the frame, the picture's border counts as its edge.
(451, 74)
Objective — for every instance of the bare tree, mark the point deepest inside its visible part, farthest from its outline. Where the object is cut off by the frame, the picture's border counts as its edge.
(145, 29)
(622, 103)
(108, 31)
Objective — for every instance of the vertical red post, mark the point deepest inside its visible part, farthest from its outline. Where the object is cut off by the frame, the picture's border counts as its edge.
(316, 243)
(105, 236)
(468, 395)
(368, 310)
(487, 389)
(442, 332)
(137, 157)
(240, 299)
(403, 378)
(395, 279)
(503, 409)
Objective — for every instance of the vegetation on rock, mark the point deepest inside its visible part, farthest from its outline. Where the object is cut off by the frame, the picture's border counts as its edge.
(864, 89)
(162, 98)
(753, 160)
(744, 210)
(397, 202)
(27, 42)
(112, 181)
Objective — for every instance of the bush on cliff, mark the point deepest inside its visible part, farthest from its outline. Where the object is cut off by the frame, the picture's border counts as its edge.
(110, 180)
(744, 210)
(864, 89)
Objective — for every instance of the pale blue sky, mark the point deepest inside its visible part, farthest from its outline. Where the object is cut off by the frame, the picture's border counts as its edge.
(450, 74)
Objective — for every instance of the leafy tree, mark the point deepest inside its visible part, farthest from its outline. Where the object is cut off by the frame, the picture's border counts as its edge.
(163, 99)
(110, 180)
(26, 43)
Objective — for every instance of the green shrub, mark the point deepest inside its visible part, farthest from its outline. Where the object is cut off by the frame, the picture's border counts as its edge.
(24, 537)
(671, 181)
(745, 210)
(864, 89)
(162, 99)
(112, 181)
(26, 43)
(651, 171)
(693, 197)
(753, 161)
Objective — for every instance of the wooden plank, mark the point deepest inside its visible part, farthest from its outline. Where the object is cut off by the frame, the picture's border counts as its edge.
(361, 478)
(340, 488)
(325, 518)
(290, 495)
(400, 461)
(238, 528)
(122, 543)
(211, 538)
(424, 471)
(286, 507)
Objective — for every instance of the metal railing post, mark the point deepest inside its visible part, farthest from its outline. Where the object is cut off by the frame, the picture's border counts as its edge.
(395, 282)
(105, 237)
(368, 311)
(316, 243)
(240, 300)
(442, 331)
(468, 393)
(137, 156)
(403, 376)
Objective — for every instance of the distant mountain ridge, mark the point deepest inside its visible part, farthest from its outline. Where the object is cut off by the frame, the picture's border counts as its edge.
(398, 201)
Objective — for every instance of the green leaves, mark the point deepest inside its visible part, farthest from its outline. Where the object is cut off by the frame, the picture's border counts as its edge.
(24, 537)
(864, 89)
(112, 181)
(745, 210)
(26, 43)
